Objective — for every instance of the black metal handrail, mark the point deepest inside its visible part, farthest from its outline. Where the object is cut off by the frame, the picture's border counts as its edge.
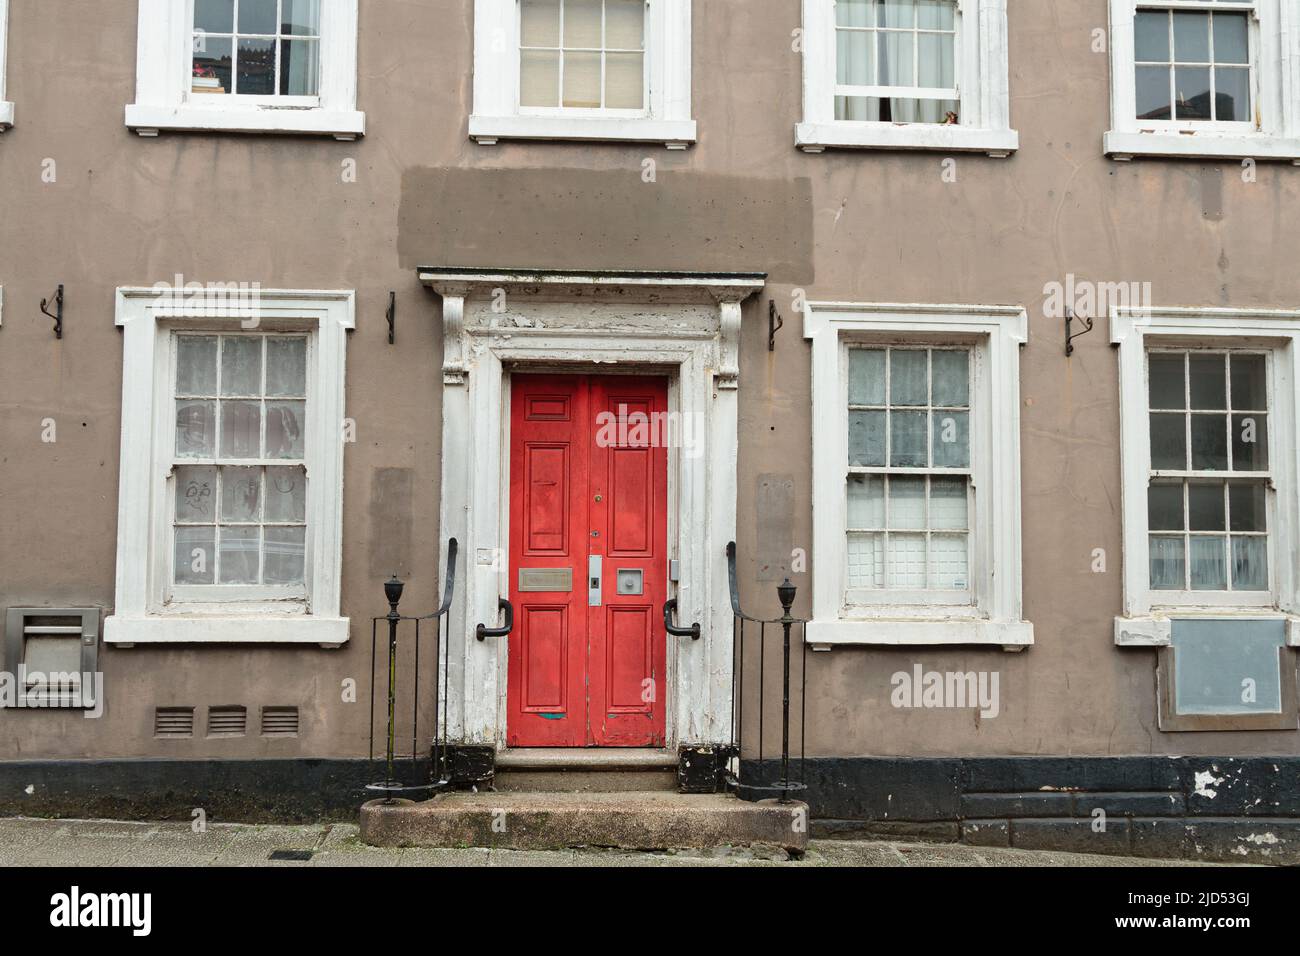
(504, 630)
(439, 776)
(670, 611)
(736, 776)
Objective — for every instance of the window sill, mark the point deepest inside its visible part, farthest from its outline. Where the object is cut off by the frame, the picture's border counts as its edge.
(1156, 630)
(226, 629)
(816, 137)
(1123, 146)
(6, 116)
(675, 134)
(341, 124)
(1013, 636)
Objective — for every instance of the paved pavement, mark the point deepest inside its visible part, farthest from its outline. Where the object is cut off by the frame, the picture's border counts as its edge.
(31, 842)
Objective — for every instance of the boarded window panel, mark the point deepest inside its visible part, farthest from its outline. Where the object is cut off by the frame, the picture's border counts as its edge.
(1219, 665)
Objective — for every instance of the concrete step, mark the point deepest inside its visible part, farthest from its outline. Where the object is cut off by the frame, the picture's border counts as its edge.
(604, 770)
(548, 821)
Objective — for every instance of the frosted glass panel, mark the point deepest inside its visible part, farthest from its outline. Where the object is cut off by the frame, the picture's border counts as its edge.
(866, 565)
(951, 439)
(582, 80)
(949, 562)
(539, 78)
(285, 425)
(239, 555)
(907, 503)
(196, 365)
(1249, 563)
(951, 378)
(866, 439)
(907, 561)
(284, 560)
(624, 24)
(866, 377)
(907, 439)
(908, 381)
(196, 493)
(195, 558)
(241, 429)
(286, 367)
(286, 494)
(1217, 661)
(866, 503)
(540, 23)
(582, 23)
(1208, 564)
(196, 429)
(241, 494)
(948, 504)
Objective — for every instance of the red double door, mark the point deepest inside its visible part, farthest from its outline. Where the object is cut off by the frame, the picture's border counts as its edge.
(588, 561)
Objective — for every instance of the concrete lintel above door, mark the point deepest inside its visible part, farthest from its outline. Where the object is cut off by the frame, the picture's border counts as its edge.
(606, 285)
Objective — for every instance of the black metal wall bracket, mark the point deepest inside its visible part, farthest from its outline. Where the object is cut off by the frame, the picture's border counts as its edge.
(774, 324)
(1069, 321)
(57, 314)
(392, 317)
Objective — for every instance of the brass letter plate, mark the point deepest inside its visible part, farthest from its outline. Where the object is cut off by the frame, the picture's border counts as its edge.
(545, 579)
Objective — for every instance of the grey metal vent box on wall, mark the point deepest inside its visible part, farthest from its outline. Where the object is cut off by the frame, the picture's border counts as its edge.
(53, 656)
(1228, 674)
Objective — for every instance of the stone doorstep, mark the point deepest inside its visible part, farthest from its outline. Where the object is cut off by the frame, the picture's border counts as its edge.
(546, 821)
(586, 758)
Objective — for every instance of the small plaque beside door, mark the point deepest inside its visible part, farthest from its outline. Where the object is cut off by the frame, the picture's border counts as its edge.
(551, 580)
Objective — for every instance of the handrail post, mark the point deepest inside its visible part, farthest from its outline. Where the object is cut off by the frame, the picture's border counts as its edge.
(785, 592)
(393, 591)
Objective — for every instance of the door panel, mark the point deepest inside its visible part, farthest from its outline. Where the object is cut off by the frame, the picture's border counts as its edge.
(588, 483)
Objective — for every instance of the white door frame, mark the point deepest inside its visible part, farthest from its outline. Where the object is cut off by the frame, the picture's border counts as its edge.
(687, 324)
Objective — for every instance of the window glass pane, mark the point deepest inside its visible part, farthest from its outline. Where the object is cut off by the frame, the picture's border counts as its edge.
(1209, 442)
(214, 16)
(907, 503)
(1207, 374)
(951, 378)
(908, 378)
(866, 561)
(1250, 442)
(540, 23)
(624, 81)
(1231, 38)
(936, 14)
(1246, 506)
(1205, 507)
(582, 23)
(896, 63)
(936, 63)
(239, 555)
(897, 13)
(1167, 568)
(1165, 373)
(299, 67)
(867, 438)
(1153, 93)
(1232, 95)
(1168, 442)
(241, 494)
(624, 24)
(1249, 564)
(1207, 563)
(286, 494)
(301, 17)
(907, 561)
(1192, 93)
(196, 429)
(539, 78)
(196, 365)
(854, 13)
(582, 80)
(866, 377)
(255, 74)
(855, 63)
(866, 502)
(194, 559)
(949, 502)
(1248, 383)
(949, 560)
(241, 429)
(196, 493)
(1192, 37)
(951, 439)
(286, 367)
(241, 365)
(257, 16)
(213, 65)
(907, 439)
(1165, 506)
(1151, 37)
(285, 551)
(285, 424)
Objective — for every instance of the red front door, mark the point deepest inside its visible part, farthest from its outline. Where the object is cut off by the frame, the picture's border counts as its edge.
(588, 561)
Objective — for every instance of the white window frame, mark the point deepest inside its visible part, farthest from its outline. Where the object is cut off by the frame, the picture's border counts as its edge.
(983, 84)
(163, 100)
(666, 119)
(6, 108)
(1145, 621)
(995, 335)
(149, 320)
(1275, 60)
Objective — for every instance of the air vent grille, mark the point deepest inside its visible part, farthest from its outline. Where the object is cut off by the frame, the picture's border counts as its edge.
(173, 722)
(227, 721)
(279, 721)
